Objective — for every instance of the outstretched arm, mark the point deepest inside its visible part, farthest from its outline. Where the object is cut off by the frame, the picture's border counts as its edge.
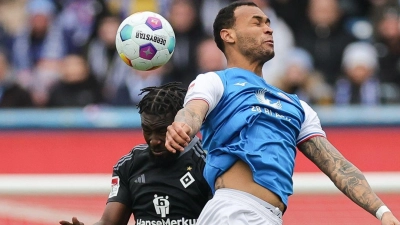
(346, 177)
(186, 125)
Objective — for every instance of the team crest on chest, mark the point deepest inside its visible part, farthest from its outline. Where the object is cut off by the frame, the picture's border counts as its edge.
(187, 180)
(260, 94)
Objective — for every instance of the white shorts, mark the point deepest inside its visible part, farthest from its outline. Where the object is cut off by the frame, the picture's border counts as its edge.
(233, 207)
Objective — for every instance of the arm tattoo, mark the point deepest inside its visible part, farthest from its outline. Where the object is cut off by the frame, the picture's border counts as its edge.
(219, 183)
(190, 118)
(346, 177)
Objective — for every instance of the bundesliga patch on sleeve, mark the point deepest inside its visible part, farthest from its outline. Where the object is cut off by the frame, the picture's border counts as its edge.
(114, 187)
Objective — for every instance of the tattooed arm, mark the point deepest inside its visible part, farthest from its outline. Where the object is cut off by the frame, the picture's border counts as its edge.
(346, 177)
(186, 125)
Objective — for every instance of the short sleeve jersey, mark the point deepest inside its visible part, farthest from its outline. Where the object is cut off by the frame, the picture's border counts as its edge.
(249, 119)
(173, 194)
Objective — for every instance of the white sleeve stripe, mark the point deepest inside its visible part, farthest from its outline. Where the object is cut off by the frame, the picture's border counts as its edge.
(198, 99)
(310, 135)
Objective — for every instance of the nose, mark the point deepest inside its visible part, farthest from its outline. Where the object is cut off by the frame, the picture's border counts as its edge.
(268, 29)
(154, 141)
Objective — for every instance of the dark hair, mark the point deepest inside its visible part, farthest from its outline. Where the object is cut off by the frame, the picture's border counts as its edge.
(226, 19)
(167, 98)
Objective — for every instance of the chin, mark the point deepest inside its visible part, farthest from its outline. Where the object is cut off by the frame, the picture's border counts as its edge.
(165, 159)
(268, 56)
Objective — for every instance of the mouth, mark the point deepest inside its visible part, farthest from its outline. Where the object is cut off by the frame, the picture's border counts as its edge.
(158, 152)
(270, 42)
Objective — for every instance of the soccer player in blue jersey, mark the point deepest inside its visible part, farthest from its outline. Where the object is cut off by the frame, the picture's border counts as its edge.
(251, 130)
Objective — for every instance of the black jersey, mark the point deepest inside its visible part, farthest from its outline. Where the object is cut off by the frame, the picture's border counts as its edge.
(173, 194)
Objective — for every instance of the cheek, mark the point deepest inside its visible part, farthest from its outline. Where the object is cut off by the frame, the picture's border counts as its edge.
(146, 139)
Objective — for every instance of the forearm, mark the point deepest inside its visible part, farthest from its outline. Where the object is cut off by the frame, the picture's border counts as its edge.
(192, 119)
(354, 185)
(346, 177)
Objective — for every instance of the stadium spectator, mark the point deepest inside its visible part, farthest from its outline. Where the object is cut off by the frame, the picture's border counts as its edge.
(35, 51)
(359, 85)
(125, 8)
(77, 87)
(154, 185)
(379, 8)
(11, 94)
(302, 79)
(5, 41)
(77, 24)
(290, 11)
(106, 65)
(324, 37)
(128, 92)
(387, 41)
(252, 130)
(34, 42)
(184, 18)
(209, 57)
(208, 11)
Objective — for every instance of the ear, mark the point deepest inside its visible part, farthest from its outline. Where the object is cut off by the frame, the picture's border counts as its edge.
(228, 35)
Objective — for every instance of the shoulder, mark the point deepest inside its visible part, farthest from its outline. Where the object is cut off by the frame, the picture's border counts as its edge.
(198, 150)
(307, 108)
(195, 150)
(139, 151)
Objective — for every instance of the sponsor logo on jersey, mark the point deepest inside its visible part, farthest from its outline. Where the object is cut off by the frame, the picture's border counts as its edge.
(114, 187)
(182, 221)
(187, 180)
(161, 205)
(241, 84)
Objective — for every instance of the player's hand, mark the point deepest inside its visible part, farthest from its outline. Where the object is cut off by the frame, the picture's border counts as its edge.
(177, 137)
(75, 221)
(389, 219)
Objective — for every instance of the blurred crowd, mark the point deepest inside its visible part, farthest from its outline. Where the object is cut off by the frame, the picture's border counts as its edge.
(61, 53)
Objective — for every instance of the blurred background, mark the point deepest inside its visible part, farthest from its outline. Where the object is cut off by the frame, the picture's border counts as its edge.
(68, 102)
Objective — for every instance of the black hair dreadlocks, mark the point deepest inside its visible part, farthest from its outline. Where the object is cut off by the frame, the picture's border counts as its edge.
(167, 98)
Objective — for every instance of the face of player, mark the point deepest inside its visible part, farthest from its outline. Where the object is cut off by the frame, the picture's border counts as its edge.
(154, 130)
(253, 34)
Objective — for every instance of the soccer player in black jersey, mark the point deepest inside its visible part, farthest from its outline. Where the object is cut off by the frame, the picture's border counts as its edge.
(156, 186)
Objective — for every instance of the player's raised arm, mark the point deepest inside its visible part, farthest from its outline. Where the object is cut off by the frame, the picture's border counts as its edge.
(187, 124)
(346, 177)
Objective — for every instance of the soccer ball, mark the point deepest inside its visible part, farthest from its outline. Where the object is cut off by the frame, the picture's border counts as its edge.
(145, 41)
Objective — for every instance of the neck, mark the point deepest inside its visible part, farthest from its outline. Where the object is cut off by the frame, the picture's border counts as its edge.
(255, 67)
(235, 59)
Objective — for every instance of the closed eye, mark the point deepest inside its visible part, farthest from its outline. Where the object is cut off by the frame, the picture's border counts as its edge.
(258, 20)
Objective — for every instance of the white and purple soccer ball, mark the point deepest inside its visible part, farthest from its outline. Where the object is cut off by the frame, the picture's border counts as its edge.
(145, 41)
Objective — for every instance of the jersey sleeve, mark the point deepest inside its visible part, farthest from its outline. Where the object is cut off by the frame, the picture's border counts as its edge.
(207, 87)
(311, 125)
(119, 182)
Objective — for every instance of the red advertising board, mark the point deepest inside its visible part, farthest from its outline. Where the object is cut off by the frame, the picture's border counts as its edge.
(96, 151)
